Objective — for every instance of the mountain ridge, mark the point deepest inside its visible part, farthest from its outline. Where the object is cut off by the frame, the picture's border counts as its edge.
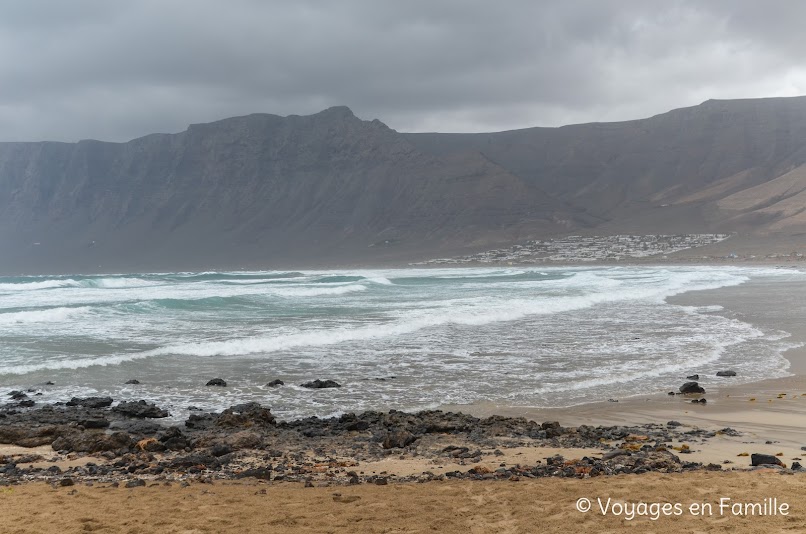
(267, 190)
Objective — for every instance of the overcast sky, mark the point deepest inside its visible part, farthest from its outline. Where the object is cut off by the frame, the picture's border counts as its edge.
(114, 70)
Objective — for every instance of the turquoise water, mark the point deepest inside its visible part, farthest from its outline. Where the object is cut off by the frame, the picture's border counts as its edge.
(405, 339)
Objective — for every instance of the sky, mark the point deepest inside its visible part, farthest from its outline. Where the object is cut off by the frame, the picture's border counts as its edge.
(98, 69)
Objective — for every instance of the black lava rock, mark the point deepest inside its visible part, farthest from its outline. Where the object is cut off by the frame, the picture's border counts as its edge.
(765, 459)
(90, 402)
(691, 387)
(275, 383)
(321, 384)
(133, 381)
(140, 409)
(726, 373)
(217, 382)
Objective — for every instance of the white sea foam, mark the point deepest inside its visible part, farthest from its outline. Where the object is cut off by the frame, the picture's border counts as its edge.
(42, 316)
(292, 292)
(32, 286)
(117, 283)
(494, 310)
(577, 334)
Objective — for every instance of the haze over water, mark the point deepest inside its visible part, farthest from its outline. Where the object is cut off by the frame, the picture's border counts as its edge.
(405, 339)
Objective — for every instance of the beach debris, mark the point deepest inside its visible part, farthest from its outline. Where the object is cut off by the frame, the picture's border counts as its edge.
(752, 399)
(275, 383)
(216, 382)
(726, 373)
(764, 459)
(743, 454)
(693, 377)
(671, 393)
(321, 384)
(691, 387)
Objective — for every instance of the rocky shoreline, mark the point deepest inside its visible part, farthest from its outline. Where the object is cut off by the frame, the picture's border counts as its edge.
(124, 443)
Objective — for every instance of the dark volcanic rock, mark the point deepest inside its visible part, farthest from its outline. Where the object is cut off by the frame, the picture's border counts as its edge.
(245, 415)
(201, 421)
(140, 409)
(206, 461)
(92, 441)
(726, 373)
(91, 402)
(133, 381)
(691, 387)
(275, 383)
(217, 382)
(397, 439)
(320, 384)
(693, 377)
(764, 459)
(99, 422)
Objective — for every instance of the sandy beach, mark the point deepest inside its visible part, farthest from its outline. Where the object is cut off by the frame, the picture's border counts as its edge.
(546, 505)
(738, 420)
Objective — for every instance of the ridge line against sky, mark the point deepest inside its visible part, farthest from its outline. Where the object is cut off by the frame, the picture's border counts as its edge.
(93, 69)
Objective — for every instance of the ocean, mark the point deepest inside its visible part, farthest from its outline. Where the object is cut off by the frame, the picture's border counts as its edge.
(404, 339)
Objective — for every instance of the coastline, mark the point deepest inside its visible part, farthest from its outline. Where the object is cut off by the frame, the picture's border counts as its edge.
(343, 468)
(757, 410)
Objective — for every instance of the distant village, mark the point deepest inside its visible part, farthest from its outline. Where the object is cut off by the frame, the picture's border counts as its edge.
(575, 248)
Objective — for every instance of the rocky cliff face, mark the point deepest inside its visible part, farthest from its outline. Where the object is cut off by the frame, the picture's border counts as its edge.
(269, 191)
(260, 189)
(687, 158)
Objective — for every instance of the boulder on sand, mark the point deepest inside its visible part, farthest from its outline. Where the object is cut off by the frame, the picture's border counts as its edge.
(691, 387)
(765, 459)
(726, 373)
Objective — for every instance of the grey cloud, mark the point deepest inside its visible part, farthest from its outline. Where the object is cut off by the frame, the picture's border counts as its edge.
(117, 70)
